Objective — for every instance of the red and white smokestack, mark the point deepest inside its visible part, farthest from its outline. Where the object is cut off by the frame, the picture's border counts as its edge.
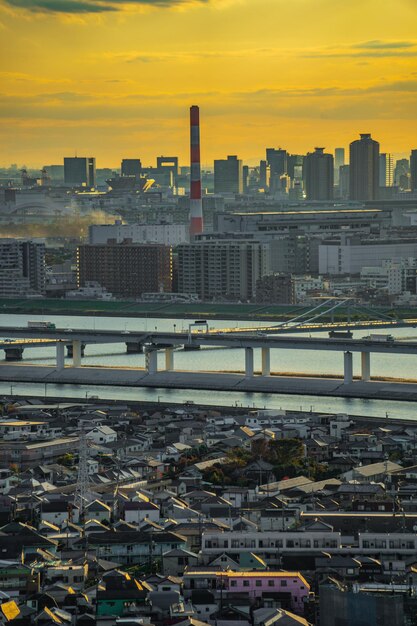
(196, 209)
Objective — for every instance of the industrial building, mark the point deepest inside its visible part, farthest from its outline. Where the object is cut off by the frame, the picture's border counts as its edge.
(349, 255)
(304, 220)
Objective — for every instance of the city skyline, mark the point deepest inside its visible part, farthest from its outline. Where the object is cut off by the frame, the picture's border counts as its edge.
(111, 78)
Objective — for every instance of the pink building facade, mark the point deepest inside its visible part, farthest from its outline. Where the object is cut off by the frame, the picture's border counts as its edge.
(289, 588)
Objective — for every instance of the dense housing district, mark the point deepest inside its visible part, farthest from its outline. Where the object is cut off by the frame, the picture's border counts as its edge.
(194, 516)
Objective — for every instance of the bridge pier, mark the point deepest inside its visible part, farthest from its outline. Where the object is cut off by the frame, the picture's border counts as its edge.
(70, 349)
(14, 353)
(366, 366)
(169, 359)
(133, 347)
(77, 352)
(151, 361)
(248, 362)
(266, 361)
(60, 355)
(348, 368)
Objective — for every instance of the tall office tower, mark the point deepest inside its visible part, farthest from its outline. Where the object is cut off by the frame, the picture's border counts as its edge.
(413, 170)
(344, 182)
(228, 175)
(364, 168)
(91, 168)
(339, 160)
(402, 174)
(277, 161)
(126, 269)
(245, 178)
(196, 205)
(318, 175)
(386, 170)
(263, 175)
(80, 171)
(294, 165)
(131, 167)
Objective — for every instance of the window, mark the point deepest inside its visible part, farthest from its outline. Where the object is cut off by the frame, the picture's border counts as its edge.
(271, 583)
(246, 583)
(233, 583)
(258, 583)
(283, 583)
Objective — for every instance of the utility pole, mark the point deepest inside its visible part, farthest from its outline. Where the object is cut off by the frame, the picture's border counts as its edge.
(82, 495)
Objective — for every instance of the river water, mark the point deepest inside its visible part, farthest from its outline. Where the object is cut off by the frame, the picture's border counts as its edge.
(212, 359)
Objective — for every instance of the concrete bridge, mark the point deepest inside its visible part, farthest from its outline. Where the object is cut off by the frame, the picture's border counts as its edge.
(153, 342)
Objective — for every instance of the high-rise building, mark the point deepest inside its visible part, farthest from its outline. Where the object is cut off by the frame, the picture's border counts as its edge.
(126, 269)
(131, 167)
(228, 175)
(364, 169)
(386, 170)
(170, 162)
(295, 164)
(318, 175)
(344, 181)
(167, 169)
(339, 160)
(80, 171)
(222, 269)
(22, 267)
(402, 174)
(263, 175)
(245, 177)
(413, 170)
(91, 169)
(277, 160)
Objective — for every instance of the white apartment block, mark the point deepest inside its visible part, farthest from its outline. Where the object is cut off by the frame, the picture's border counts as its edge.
(396, 277)
(222, 269)
(348, 257)
(271, 545)
(167, 234)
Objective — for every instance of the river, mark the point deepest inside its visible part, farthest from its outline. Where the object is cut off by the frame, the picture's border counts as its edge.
(211, 359)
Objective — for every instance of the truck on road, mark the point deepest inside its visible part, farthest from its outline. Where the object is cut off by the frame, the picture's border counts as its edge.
(41, 325)
(379, 337)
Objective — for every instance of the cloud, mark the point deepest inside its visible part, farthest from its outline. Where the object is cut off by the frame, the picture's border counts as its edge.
(376, 48)
(380, 100)
(93, 6)
(378, 44)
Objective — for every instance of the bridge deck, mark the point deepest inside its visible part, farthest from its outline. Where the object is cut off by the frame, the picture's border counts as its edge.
(254, 339)
(129, 377)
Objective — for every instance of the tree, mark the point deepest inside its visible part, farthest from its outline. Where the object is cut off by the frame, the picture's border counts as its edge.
(288, 452)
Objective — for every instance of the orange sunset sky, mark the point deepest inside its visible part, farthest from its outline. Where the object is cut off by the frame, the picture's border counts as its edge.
(115, 78)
